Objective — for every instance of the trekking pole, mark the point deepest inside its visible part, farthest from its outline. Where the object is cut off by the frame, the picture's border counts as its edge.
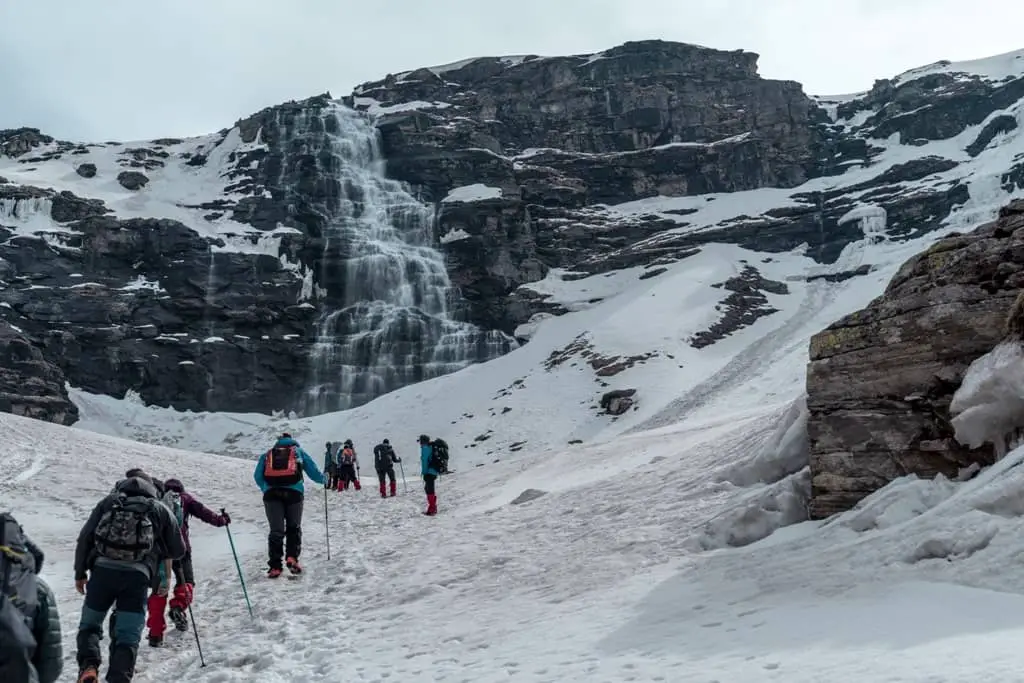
(195, 631)
(238, 566)
(327, 526)
(405, 487)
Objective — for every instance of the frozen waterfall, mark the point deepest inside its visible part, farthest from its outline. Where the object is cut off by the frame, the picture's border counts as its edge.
(382, 288)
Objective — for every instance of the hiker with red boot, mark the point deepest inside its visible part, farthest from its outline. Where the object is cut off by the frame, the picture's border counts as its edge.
(384, 460)
(430, 468)
(184, 576)
(279, 474)
(348, 467)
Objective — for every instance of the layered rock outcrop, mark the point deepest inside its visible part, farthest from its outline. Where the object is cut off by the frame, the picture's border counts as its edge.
(880, 380)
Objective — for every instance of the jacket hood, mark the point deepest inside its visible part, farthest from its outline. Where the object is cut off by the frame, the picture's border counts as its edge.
(286, 441)
(136, 486)
(174, 485)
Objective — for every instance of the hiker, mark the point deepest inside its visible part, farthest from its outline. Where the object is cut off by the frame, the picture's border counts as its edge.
(430, 472)
(184, 506)
(384, 460)
(330, 465)
(348, 467)
(30, 635)
(128, 533)
(279, 474)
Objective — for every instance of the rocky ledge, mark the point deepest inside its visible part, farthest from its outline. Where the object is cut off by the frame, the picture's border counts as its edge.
(880, 381)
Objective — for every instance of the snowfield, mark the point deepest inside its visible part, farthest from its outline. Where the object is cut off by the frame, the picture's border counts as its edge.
(622, 548)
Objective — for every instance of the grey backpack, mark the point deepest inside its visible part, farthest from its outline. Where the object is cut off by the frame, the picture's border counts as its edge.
(125, 531)
(18, 603)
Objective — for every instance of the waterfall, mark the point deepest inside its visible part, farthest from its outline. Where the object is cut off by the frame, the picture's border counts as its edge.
(383, 291)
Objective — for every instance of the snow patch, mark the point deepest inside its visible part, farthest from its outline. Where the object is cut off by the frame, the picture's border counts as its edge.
(989, 405)
(472, 193)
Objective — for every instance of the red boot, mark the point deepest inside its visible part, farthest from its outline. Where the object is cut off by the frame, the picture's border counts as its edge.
(394, 489)
(431, 504)
(357, 485)
(383, 491)
(155, 619)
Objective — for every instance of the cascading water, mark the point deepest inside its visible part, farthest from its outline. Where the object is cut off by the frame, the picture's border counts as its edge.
(383, 290)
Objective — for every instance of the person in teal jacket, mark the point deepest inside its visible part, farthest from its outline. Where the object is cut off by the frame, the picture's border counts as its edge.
(429, 474)
(279, 474)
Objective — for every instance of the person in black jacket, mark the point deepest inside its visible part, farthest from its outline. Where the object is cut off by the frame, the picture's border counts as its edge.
(384, 460)
(128, 533)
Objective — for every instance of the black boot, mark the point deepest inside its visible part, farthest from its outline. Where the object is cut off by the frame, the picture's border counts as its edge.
(122, 664)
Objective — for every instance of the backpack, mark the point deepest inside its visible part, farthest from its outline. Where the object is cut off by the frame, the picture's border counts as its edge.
(383, 457)
(282, 466)
(125, 532)
(438, 460)
(348, 456)
(18, 603)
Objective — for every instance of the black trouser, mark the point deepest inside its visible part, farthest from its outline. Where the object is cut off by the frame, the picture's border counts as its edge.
(284, 513)
(428, 483)
(126, 590)
(347, 473)
(332, 477)
(389, 473)
(183, 572)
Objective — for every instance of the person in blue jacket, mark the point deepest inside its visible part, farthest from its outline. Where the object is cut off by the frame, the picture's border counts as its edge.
(279, 474)
(429, 474)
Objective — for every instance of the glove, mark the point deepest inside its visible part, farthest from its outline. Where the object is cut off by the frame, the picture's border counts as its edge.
(397, 459)
(224, 519)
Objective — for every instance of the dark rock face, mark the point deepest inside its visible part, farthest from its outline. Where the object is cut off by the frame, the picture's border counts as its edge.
(880, 380)
(148, 305)
(30, 385)
(132, 180)
(745, 304)
(645, 119)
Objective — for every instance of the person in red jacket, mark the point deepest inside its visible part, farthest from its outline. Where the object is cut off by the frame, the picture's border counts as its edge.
(183, 574)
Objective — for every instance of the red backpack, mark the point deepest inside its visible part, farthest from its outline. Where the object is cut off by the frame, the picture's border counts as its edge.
(282, 466)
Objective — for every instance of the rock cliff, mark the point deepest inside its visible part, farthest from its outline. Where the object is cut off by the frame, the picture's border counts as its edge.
(880, 380)
(314, 256)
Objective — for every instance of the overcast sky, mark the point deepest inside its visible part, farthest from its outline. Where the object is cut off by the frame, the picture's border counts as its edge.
(134, 69)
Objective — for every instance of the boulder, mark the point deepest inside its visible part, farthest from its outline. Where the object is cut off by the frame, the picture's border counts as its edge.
(880, 380)
(86, 170)
(132, 180)
(618, 401)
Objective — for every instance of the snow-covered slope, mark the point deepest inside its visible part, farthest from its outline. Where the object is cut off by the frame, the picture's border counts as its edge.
(605, 551)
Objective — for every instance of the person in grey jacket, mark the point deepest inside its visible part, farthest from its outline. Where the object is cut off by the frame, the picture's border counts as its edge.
(48, 659)
(43, 661)
(113, 567)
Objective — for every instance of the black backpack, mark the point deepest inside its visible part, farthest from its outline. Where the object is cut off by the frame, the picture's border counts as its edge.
(438, 460)
(18, 603)
(126, 531)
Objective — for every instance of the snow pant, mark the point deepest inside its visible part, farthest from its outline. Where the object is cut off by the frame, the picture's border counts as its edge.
(331, 475)
(181, 598)
(390, 474)
(428, 488)
(347, 475)
(125, 590)
(284, 514)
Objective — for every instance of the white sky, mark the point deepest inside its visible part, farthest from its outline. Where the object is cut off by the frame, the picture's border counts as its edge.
(134, 69)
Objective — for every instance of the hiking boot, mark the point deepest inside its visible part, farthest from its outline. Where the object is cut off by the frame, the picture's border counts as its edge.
(293, 565)
(394, 488)
(274, 573)
(179, 618)
(89, 675)
(156, 641)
